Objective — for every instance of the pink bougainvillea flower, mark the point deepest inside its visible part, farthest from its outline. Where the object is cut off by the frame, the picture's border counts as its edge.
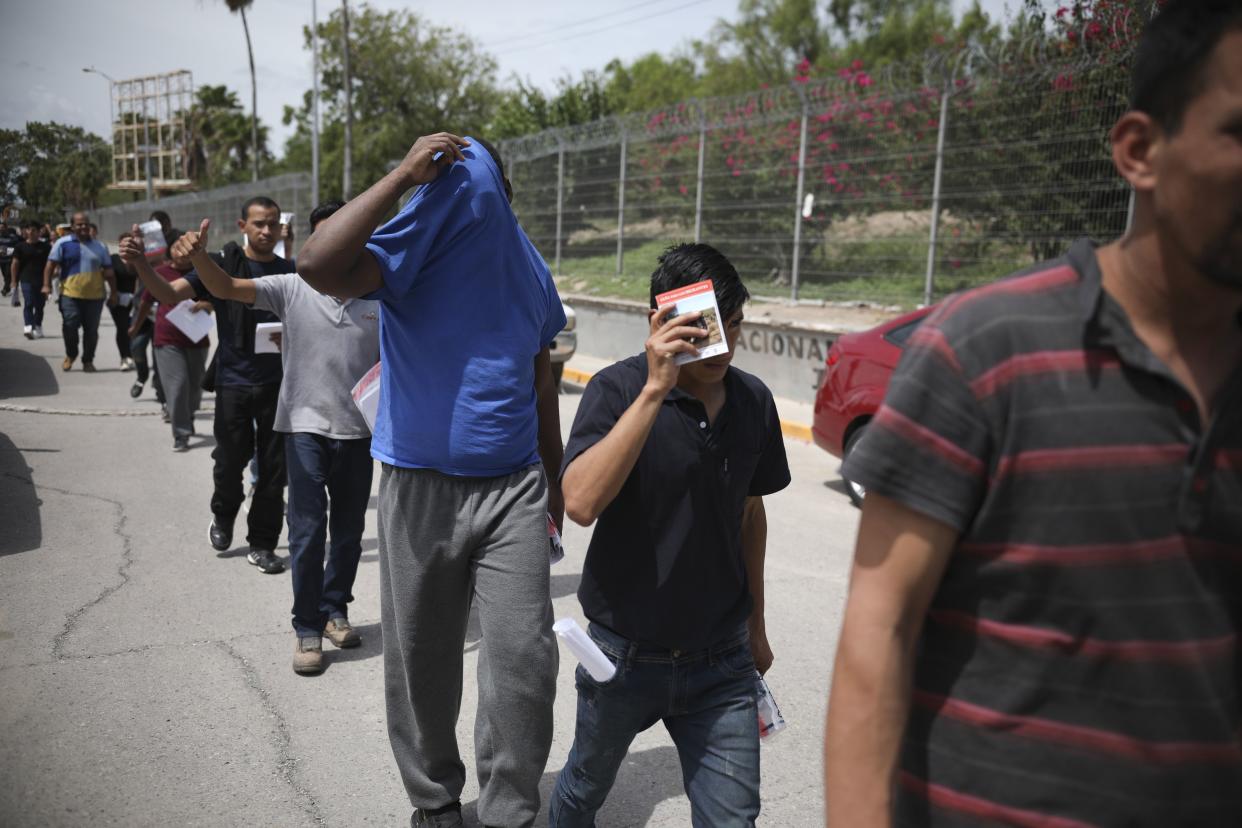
(1063, 83)
(864, 116)
(804, 66)
(863, 79)
(1061, 12)
(857, 64)
(844, 72)
(683, 189)
(736, 173)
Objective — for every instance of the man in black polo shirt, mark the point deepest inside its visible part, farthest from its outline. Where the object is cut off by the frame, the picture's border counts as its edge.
(674, 461)
(247, 387)
(1042, 626)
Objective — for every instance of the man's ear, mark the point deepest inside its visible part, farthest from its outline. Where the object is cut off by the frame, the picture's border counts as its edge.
(1137, 140)
(241, 225)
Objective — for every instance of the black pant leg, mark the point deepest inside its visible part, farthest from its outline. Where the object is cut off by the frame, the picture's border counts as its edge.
(120, 318)
(267, 506)
(234, 433)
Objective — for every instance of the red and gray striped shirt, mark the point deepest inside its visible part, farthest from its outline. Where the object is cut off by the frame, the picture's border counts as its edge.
(1079, 664)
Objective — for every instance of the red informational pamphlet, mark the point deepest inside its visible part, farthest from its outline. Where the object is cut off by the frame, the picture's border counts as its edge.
(700, 296)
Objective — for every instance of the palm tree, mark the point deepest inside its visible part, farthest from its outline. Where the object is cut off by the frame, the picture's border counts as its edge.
(240, 7)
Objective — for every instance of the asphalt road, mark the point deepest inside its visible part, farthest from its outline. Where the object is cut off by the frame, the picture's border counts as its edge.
(145, 679)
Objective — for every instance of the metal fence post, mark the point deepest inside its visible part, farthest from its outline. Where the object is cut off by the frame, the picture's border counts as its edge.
(560, 200)
(698, 189)
(935, 209)
(797, 236)
(621, 206)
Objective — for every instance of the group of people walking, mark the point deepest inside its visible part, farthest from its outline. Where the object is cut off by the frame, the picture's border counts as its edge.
(1042, 621)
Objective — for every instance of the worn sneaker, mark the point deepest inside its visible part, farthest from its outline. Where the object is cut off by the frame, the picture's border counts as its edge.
(308, 655)
(221, 538)
(342, 634)
(448, 817)
(181, 444)
(88, 367)
(135, 390)
(66, 364)
(266, 561)
(164, 415)
(28, 331)
(127, 364)
(38, 331)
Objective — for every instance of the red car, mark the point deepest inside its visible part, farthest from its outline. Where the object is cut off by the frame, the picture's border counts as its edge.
(856, 375)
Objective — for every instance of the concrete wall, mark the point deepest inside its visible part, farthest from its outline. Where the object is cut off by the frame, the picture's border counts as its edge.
(790, 359)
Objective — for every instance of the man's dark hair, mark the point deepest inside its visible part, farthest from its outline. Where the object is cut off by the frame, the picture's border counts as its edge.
(500, 164)
(162, 218)
(31, 224)
(323, 211)
(1171, 60)
(258, 201)
(685, 264)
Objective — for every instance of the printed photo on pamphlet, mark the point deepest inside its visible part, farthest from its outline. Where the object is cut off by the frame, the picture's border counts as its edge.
(700, 296)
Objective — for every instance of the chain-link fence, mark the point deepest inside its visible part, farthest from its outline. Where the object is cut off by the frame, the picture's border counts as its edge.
(222, 205)
(897, 188)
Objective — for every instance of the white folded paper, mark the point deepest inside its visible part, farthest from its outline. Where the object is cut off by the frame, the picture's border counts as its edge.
(263, 343)
(279, 250)
(366, 395)
(195, 325)
(584, 649)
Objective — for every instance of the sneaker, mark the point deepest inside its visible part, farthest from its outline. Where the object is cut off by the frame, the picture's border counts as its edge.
(127, 364)
(66, 364)
(135, 390)
(342, 634)
(448, 817)
(266, 561)
(164, 415)
(308, 655)
(38, 331)
(88, 367)
(221, 538)
(28, 331)
(181, 444)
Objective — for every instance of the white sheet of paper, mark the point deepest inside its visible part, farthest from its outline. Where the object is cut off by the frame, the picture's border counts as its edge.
(193, 325)
(263, 343)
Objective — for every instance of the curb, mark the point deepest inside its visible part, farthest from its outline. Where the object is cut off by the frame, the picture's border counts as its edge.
(791, 429)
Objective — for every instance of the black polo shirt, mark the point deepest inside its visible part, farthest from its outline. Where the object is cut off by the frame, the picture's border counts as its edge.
(665, 564)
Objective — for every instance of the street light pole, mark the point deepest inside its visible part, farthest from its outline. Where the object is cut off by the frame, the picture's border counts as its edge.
(314, 102)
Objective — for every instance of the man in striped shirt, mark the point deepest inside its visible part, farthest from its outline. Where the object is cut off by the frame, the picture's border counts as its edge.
(1042, 626)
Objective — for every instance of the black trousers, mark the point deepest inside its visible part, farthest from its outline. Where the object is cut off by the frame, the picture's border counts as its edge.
(244, 419)
(120, 318)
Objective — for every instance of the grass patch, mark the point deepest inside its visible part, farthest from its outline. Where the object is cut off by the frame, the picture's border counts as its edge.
(884, 270)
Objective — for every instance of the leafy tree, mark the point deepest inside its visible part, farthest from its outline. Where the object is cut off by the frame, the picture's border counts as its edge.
(61, 166)
(239, 7)
(410, 77)
(220, 139)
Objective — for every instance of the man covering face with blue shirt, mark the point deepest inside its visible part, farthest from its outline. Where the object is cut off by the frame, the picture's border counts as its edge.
(468, 433)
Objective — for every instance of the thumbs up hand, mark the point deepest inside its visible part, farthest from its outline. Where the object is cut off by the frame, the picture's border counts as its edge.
(191, 243)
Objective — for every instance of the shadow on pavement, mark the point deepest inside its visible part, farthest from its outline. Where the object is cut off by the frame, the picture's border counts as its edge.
(23, 519)
(646, 779)
(23, 374)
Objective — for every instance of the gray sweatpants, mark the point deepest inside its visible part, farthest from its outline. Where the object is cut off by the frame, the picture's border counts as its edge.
(443, 542)
(181, 373)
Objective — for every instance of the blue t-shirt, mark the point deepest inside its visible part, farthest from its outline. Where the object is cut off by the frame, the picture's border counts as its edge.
(467, 305)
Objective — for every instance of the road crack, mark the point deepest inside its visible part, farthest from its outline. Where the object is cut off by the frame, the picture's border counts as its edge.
(286, 762)
(127, 559)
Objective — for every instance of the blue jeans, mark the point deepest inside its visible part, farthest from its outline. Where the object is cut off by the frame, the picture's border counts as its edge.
(84, 314)
(322, 469)
(707, 702)
(32, 310)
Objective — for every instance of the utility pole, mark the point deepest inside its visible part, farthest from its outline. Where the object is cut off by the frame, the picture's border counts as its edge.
(315, 102)
(347, 170)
